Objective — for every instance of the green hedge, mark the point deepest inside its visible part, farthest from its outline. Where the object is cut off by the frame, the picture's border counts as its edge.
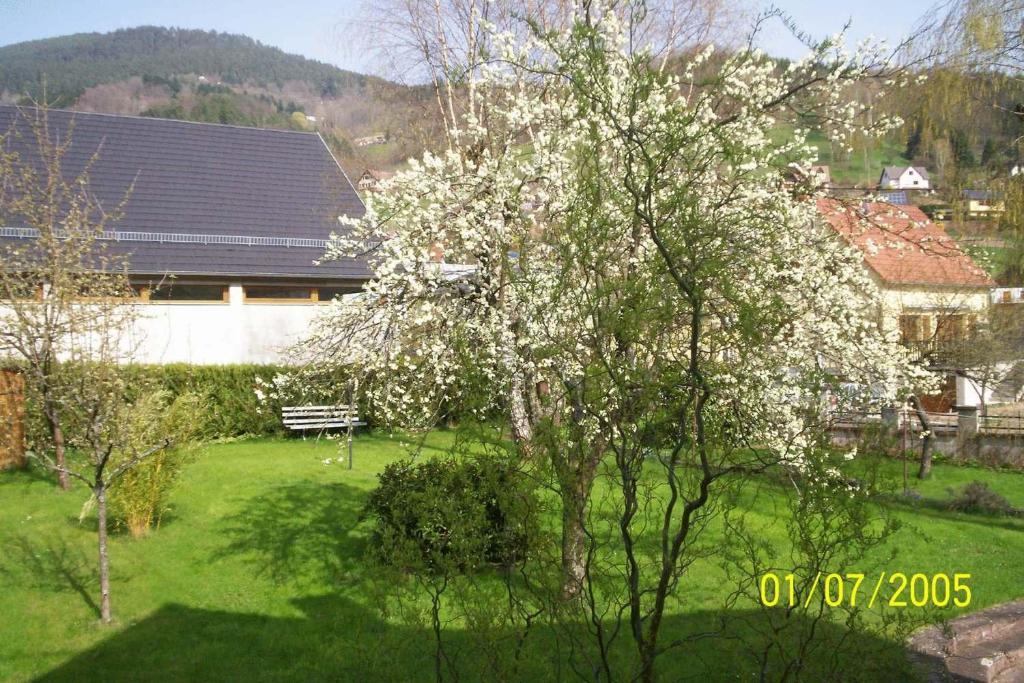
(229, 390)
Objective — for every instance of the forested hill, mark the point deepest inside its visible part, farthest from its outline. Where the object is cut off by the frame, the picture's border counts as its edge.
(71, 64)
(215, 77)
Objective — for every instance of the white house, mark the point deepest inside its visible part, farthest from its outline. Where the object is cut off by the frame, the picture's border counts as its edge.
(904, 178)
(371, 179)
(221, 231)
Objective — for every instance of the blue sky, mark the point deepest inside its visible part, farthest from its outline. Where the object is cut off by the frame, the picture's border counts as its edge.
(325, 29)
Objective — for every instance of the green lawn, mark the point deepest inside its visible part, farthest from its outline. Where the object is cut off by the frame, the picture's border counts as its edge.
(858, 169)
(256, 574)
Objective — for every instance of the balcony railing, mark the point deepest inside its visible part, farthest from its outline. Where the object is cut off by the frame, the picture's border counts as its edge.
(940, 352)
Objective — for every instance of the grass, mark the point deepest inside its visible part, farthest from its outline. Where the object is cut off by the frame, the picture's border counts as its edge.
(861, 169)
(991, 259)
(256, 574)
(858, 169)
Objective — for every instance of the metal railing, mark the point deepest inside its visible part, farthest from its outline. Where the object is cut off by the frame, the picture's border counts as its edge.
(179, 238)
(940, 422)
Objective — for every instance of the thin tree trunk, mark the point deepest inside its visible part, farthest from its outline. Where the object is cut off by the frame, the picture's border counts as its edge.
(101, 515)
(576, 488)
(522, 429)
(57, 434)
(926, 443)
(573, 545)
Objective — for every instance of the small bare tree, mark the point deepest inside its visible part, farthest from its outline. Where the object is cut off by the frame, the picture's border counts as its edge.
(108, 437)
(51, 262)
(444, 42)
(68, 316)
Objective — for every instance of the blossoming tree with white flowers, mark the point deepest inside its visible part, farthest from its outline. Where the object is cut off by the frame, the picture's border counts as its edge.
(607, 257)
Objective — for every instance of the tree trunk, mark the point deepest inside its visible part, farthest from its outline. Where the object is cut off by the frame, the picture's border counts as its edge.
(57, 434)
(926, 443)
(573, 545)
(576, 483)
(101, 517)
(522, 429)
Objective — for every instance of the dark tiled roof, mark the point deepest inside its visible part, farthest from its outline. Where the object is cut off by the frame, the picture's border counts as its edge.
(208, 179)
(982, 195)
(897, 171)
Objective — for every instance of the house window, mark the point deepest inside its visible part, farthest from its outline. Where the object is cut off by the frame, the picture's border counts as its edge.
(280, 294)
(188, 293)
(951, 328)
(331, 293)
(23, 291)
(916, 183)
(915, 328)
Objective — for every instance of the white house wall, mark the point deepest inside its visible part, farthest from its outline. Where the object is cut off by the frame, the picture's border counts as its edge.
(213, 333)
(896, 301)
(970, 393)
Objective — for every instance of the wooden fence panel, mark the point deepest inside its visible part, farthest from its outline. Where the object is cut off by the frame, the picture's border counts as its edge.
(12, 419)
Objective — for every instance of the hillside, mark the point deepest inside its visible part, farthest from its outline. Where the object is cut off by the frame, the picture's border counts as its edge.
(218, 78)
(73, 63)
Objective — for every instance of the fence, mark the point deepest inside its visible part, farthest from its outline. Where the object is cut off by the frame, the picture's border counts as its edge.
(12, 419)
(940, 422)
(965, 435)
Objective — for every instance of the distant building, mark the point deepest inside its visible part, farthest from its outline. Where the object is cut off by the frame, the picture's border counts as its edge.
(818, 175)
(822, 174)
(375, 139)
(371, 178)
(1008, 295)
(983, 203)
(904, 178)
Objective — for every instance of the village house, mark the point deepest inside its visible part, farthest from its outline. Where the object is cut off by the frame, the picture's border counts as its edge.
(933, 293)
(982, 203)
(822, 174)
(371, 179)
(369, 140)
(904, 178)
(220, 232)
(816, 176)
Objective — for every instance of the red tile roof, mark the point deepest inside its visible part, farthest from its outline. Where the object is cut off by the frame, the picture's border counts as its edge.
(902, 246)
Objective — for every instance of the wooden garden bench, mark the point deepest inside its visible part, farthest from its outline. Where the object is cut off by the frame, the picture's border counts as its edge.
(320, 418)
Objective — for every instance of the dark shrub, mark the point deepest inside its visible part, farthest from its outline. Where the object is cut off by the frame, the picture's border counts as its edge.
(450, 514)
(978, 497)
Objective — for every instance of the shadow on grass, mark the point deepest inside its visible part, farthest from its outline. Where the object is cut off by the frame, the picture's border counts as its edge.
(299, 530)
(338, 639)
(52, 565)
(939, 509)
(31, 472)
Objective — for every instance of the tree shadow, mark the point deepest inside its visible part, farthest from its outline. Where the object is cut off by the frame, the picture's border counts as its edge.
(51, 565)
(336, 638)
(939, 509)
(305, 529)
(31, 472)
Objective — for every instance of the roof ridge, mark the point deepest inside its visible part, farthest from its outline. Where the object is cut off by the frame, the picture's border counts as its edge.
(221, 126)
